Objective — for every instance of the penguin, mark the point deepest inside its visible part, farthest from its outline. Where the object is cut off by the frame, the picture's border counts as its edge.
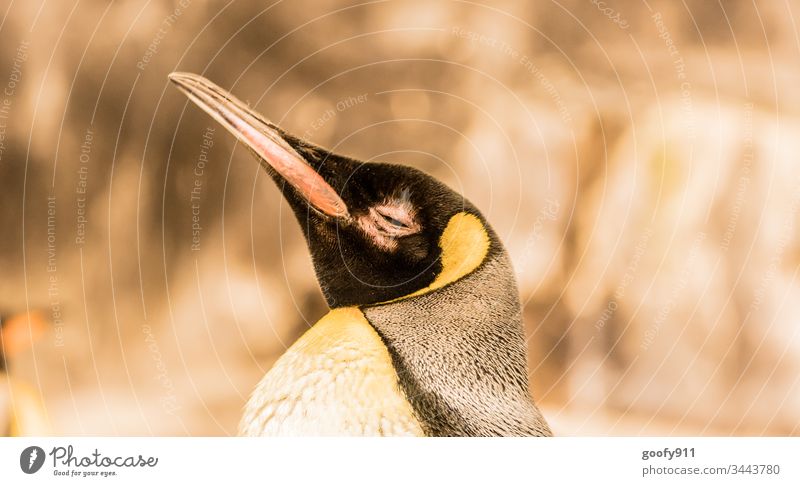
(22, 412)
(424, 336)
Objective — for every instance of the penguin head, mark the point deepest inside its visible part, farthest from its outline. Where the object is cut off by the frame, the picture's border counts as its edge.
(376, 232)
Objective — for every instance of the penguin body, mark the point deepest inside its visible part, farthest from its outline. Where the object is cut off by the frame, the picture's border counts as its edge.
(425, 336)
(460, 356)
(340, 374)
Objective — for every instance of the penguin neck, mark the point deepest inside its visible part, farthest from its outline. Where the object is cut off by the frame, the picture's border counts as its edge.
(460, 354)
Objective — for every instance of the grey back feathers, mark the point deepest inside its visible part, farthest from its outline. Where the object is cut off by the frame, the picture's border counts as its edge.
(460, 355)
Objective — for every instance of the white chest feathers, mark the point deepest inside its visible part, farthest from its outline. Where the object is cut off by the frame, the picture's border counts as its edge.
(337, 379)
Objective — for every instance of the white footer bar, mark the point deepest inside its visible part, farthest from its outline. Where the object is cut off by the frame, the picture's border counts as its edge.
(333, 461)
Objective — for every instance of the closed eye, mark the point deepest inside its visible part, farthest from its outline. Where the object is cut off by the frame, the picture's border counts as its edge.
(388, 222)
(393, 221)
(396, 220)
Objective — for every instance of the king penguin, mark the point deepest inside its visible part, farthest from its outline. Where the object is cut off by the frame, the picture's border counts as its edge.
(424, 336)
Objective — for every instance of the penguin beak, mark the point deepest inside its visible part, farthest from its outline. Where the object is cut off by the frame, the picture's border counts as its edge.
(265, 140)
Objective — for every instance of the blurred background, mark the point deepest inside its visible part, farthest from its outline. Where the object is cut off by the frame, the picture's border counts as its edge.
(639, 160)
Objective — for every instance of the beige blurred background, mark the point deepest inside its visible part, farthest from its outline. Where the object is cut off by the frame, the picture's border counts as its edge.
(639, 159)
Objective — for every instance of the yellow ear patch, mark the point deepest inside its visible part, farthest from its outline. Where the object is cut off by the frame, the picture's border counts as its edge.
(464, 245)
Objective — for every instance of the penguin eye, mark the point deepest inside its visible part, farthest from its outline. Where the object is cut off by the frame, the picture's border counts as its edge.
(393, 221)
(385, 223)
